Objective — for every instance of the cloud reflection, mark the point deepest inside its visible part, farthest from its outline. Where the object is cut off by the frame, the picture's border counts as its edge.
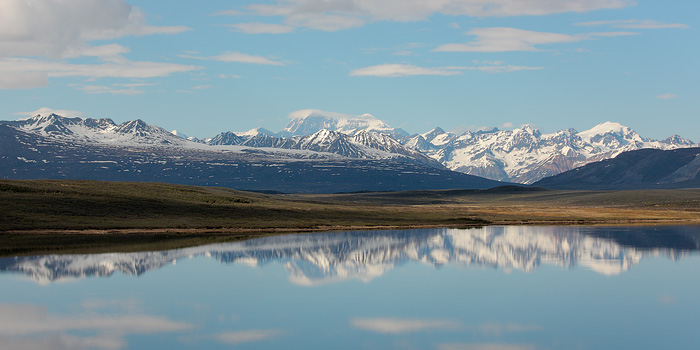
(250, 335)
(484, 346)
(497, 329)
(399, 326)
(32, 327)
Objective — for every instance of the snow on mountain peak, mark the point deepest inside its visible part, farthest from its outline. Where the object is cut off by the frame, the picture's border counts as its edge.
(307, 113)
(530, 129)
(430, 135)
(255, 132)
(605, 128)
(309, 121)
(180, 134)
(317, 113)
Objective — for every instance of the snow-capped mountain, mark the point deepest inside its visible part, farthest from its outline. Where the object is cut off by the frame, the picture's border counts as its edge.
(362, 145)
(525, 155)
(255, 132)
(522, 155)
(179, 134)
(226, 138)
(312, 259)
(54, 147)
(135, 132)
(310, 121)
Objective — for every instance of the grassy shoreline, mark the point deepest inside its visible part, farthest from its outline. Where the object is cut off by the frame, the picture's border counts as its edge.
(67, 216)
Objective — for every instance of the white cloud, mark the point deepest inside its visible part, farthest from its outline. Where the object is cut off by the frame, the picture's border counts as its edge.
(667, 96)
(112, 90)
(607, 34)
(238, 57)
(64, 341)
(403, 70)
(54, 28)
(105, 52)
(246, 336)
(124, 69)
(261, 28)
(325, 22)
(46, 111)
(635, 24)
(507, 125)
(504, 39)
(35, 34)
(398, 326)
(343, 14)
(487, 62)
(193, 89)
(503, 68)
(23, 80)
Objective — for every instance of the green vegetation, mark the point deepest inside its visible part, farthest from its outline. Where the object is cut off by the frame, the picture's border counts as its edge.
(81, 205)
(71, 215)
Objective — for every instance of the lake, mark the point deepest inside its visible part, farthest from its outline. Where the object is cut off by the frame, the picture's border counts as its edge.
(490, 288)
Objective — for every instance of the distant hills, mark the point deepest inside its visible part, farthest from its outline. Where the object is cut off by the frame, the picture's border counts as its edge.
(56, 147)
(523, 155)
(317, 152)
(640, 169)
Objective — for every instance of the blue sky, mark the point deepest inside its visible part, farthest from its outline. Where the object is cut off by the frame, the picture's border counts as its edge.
(207, 67)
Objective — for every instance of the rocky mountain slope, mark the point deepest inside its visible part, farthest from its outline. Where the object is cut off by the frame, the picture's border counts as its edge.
(54, 147)
(525, 155)
(522, 155)
(361, 145)
(640, 169)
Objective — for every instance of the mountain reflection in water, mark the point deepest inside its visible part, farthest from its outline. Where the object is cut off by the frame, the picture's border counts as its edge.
(313, 259)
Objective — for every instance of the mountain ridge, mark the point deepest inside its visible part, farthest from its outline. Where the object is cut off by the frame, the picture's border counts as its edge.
(522, 155)
(638, 169)
(75, 149)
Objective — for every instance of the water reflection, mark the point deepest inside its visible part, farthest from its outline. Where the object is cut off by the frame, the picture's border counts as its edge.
(32, 327)
(312, 259)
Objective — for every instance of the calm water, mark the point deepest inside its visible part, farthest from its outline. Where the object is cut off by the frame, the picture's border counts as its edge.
(495, 288)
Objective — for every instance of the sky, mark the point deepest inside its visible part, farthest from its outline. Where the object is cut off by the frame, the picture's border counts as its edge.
(210, 66)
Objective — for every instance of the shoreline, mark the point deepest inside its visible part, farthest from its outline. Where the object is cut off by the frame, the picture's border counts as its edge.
(288, 230)
(65, 216)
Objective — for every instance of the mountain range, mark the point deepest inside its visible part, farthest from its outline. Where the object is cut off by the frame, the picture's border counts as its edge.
(56, 147)
(523, 155)
(317, 151)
